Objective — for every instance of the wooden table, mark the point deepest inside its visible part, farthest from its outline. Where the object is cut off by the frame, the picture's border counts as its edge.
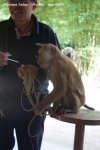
(80, 119)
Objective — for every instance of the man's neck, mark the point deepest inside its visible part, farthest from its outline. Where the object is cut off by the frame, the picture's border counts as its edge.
(24, 27)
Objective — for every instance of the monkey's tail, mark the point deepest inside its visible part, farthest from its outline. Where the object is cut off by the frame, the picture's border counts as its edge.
(88, 107)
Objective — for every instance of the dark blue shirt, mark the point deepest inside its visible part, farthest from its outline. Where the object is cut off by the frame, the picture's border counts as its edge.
(25, 50)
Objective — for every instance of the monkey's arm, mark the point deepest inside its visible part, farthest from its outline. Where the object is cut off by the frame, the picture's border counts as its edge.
(60, 84)
(55, 95)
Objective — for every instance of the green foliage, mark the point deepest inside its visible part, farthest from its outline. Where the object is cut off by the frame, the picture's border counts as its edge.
(73, 20)
(4, 13)
(76, 22)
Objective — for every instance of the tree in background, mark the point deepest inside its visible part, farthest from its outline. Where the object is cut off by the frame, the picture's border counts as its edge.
(76, 23)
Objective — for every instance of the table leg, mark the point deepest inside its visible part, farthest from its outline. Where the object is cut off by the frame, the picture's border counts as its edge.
(79, 137)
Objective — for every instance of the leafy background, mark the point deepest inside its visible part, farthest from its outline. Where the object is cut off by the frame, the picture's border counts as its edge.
(77, 24)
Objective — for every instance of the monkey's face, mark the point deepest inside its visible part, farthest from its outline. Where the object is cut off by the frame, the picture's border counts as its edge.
(45, 56)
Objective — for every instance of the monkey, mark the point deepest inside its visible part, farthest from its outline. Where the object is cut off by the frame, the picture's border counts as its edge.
(68, 94)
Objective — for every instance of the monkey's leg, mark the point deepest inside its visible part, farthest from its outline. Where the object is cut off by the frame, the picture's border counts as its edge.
(70, 103)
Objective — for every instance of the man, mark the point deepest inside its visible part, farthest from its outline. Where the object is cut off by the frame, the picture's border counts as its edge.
(20, 38)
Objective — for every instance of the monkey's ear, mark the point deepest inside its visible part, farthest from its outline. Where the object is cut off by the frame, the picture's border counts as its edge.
(53, 49)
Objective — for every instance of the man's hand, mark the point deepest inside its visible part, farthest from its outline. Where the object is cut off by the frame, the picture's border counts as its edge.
(3, 58)
(33, 70)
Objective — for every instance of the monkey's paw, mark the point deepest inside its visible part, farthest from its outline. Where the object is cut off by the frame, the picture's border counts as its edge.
(66, 111)
(38, 111)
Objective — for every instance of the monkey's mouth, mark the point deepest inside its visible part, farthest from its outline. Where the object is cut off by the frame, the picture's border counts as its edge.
(43, 65)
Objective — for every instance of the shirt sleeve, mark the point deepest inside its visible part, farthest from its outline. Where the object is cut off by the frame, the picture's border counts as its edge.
(54, 40)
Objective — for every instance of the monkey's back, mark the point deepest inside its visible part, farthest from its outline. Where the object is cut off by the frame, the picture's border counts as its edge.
(67, 75)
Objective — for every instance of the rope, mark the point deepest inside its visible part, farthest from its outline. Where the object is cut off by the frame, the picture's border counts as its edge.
(29, 88)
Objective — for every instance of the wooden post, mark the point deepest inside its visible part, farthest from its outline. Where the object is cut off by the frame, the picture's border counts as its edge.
(79, 137)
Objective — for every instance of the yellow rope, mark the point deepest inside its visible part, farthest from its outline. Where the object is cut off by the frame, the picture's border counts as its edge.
(22, 102)
(29, 88)
(29, 127)
(28, 84)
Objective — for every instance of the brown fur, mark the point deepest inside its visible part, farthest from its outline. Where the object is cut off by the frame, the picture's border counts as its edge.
(68, 92)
